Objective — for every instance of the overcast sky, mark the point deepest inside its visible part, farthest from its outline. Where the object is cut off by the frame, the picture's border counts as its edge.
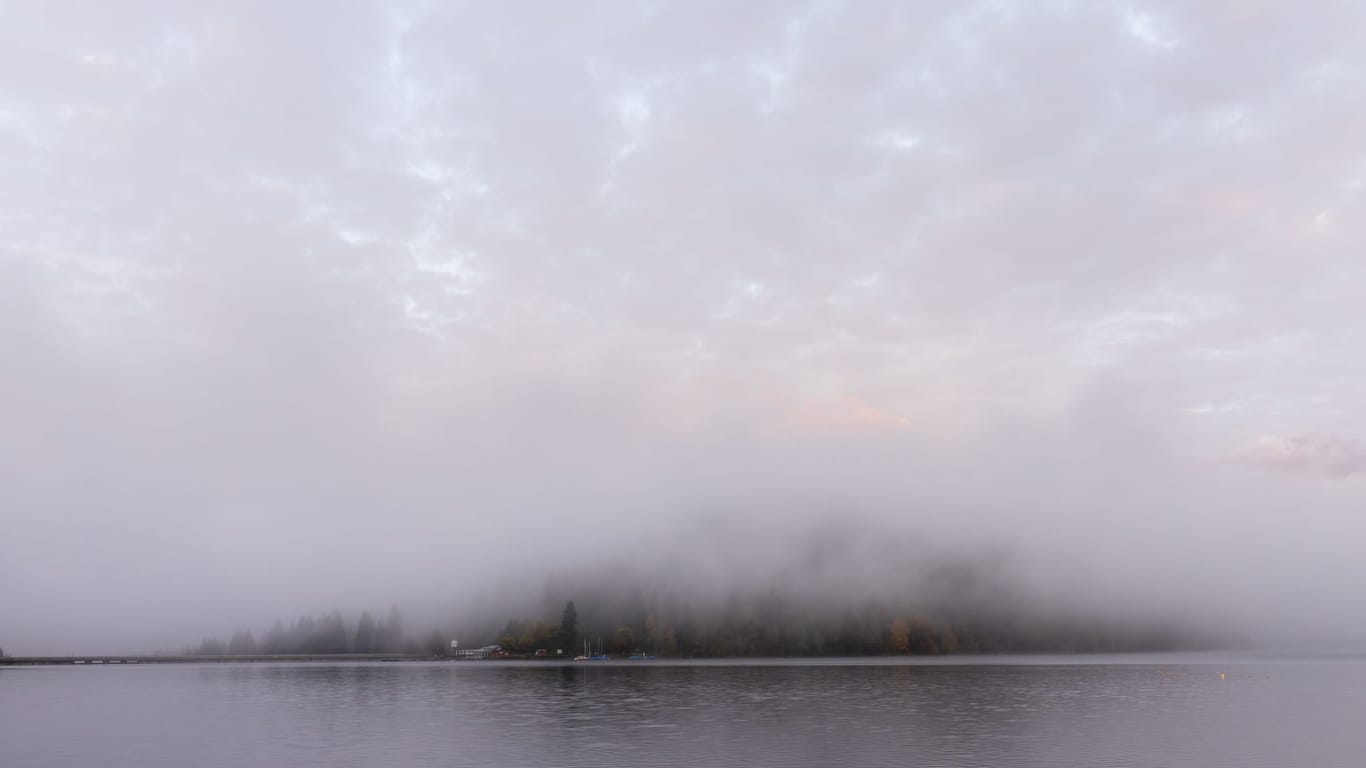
(314, 305)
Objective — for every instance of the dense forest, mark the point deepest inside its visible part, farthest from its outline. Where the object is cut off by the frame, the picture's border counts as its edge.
(822, 589)
(771, 626)
(944, 608)
(767, 626)
(329, 633)
(933, 606)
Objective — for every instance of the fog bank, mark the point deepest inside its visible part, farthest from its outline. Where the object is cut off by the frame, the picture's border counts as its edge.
(342, 306)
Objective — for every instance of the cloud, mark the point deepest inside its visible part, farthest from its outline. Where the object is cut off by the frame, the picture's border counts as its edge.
(1325, 455)
(843, 414)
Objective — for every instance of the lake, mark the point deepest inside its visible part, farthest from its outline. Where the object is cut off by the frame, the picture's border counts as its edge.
(1029, 711)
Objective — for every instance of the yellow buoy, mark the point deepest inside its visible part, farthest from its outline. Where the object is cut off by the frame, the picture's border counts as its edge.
(1221, 675)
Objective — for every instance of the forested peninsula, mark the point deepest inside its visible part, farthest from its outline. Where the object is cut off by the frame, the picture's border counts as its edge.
(633, 623)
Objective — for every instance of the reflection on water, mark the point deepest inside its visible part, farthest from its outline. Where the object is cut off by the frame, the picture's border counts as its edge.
(1050, 713)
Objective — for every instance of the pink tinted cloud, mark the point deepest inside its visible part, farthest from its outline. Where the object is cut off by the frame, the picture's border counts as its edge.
(843, 413)
(1327, 455)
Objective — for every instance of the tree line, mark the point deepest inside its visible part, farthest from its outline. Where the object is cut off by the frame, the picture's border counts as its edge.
(768, 625)
(955, 609)
(325, 634)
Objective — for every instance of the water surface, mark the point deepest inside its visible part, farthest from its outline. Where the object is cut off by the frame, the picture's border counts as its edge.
(1088, 711)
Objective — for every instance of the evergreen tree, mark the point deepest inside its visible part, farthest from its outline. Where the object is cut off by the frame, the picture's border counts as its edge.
(365, 634)
(569, 626)
(242, 643)
(277, 641)
(389, 637)
(331, 635)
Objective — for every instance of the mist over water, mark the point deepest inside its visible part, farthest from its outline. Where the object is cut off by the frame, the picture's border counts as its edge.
(467, 309)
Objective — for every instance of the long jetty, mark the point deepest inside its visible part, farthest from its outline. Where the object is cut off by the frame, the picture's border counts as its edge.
(28, 661)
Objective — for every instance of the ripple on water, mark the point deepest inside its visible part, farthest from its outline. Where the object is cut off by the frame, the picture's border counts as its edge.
(1093, 714)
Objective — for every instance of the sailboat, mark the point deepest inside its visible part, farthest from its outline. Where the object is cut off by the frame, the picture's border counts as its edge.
(600, 656)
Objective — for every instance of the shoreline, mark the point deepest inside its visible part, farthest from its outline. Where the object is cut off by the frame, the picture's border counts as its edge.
(873, 660)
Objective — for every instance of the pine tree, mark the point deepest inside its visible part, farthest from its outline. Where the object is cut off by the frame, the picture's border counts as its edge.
(365, 634)
(569, 626)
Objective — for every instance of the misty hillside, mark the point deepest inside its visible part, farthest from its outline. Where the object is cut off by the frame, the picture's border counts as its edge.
(813, 590)
(956, 609)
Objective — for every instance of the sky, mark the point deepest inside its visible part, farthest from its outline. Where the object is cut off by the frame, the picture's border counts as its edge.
(316, 304)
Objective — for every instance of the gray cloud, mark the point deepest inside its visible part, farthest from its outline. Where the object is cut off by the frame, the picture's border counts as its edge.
(334, 302)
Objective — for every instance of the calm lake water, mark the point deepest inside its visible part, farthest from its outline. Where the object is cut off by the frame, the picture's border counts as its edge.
(1089, 711)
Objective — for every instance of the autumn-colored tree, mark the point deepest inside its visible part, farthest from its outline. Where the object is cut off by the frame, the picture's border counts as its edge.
(668, 641)
(948, 640)
(538, 635)
(920, 636)
(899, 640)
